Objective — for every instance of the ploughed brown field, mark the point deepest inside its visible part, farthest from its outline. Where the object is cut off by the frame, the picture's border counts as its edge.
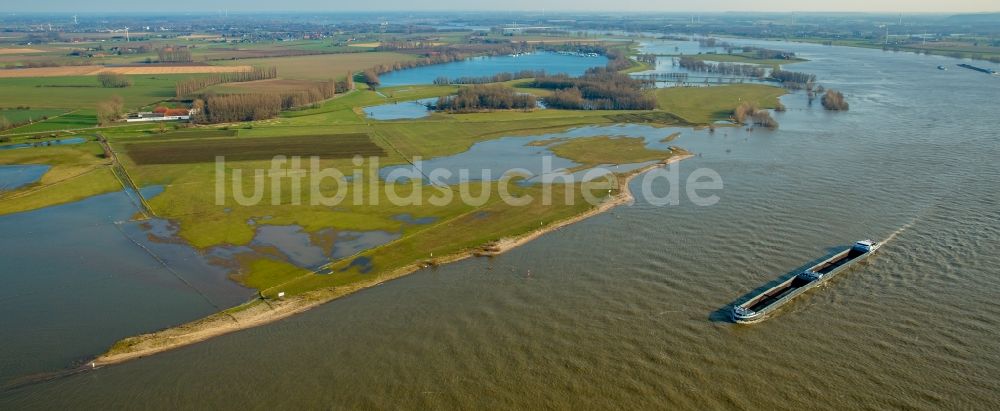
(95, 70)
(258, 148)
(20, 51)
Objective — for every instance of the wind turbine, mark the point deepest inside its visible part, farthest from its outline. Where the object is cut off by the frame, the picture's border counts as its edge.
(126, 35)
(74, 20)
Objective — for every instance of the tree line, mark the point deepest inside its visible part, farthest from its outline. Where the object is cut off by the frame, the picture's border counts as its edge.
(599, 88)
(448, 54)
(110, 110)
(174, 54)
(114, 80)
(748, 112)
(370, 77)
(793, 79)
(729, 69)
(485, 97)
(187, 87)
(768, 54)
(228, 108)
(496, 78)
(617, 59)
(834, 100)
(647, 58)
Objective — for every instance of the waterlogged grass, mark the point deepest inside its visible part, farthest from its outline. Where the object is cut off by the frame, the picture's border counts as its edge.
(590, 152)
(459, 232)
(747, 58)
(77, 172)
(704, 105)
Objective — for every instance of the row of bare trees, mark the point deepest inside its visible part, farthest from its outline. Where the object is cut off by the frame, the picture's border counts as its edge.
(601, 88)
(793, 79)
(370, 77)
(110, 110)
(834, 100)
(496, 78)
(748, 112)
(726, 69)
(174, 54)
(486, 97)
(114, 80)
(228, 108)
(187, 87)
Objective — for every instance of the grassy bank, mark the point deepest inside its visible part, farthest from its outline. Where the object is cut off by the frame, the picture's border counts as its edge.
(746, 58)
(704, 105)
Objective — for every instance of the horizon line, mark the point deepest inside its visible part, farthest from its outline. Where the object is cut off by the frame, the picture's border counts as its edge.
(91, 11)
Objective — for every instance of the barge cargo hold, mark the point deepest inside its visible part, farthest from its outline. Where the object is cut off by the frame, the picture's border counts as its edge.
(979, 69)
(761, 305)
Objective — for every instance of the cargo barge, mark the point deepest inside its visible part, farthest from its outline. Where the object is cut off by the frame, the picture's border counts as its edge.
(760, 306)
(979, 69)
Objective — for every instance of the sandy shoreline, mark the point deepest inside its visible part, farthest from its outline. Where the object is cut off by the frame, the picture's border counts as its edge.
(260, 312)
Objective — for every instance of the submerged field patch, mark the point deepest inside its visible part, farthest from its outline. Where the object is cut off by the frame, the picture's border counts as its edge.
(260, 148)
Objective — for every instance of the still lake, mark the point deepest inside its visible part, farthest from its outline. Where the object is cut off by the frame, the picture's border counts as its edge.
(573, 65)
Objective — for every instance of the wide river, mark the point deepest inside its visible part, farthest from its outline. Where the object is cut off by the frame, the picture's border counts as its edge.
(624, 310)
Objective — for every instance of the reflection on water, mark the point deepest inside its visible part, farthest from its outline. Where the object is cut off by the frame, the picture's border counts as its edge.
(490, 160)
(16, 176)
(410, 219)
(400, 110)
(76, 280)
(573, 65)
(60, 142)
(352, 242)
(312, 250)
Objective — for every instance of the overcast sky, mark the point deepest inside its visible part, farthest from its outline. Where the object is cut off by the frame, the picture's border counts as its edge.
(512, 5)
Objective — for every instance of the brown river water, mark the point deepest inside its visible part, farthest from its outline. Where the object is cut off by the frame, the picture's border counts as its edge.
(627, 309)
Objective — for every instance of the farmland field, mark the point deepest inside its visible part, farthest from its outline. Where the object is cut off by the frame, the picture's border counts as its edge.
(76, 119)
(154, 135)
(325, 66)
(17, 116)
(84, 91)
(264, 86)
(130, 70)
(19, 51)
(262, 148)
